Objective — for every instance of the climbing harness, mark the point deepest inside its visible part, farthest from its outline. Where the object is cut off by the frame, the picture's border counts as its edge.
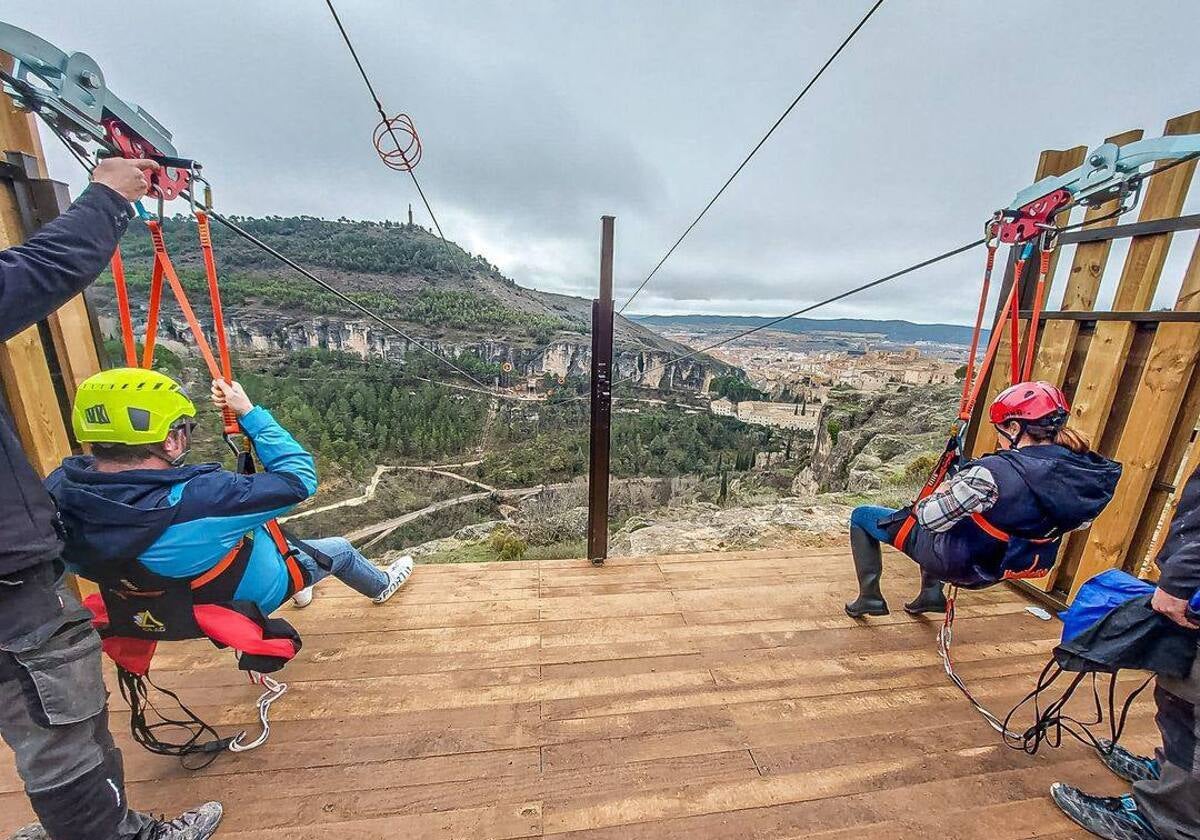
(1040, 238)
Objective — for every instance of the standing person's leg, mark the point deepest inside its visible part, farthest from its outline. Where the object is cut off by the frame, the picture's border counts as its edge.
(349, 566)
(1172, 803)
(54, 716)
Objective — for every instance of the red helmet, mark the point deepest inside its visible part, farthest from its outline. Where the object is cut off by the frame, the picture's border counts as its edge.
(1030, 402)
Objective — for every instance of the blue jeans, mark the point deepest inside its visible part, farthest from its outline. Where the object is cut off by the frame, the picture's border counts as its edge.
(867, 517)
(349, 566)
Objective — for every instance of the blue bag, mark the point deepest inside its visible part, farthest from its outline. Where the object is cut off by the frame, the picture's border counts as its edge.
(1100, 596)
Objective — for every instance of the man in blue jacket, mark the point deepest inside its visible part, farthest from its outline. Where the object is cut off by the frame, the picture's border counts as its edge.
(134, 499)
(1165, 802)
(53, 704)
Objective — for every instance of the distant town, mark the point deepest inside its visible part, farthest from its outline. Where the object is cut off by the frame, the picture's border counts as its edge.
(796, 370)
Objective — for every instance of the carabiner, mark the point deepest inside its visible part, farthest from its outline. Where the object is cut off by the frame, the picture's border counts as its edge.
(991, 232)
(274, 691)
(1048, 240)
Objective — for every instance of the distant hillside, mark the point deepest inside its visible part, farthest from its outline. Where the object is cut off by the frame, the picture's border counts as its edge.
(905, 332)
(454, 302)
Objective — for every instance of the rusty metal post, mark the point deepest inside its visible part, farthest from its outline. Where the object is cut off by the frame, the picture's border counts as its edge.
(602, 376)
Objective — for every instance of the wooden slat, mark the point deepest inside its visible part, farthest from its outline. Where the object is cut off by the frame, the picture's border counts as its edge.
(1051, 162)
(1057, 343)
(1083, 284)
(1172, 473)
(1164, 197)
(1154, 418)
(1189, 468)
(1100, 377)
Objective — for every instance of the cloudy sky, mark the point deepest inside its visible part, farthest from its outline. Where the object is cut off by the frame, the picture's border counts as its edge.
(539, 117)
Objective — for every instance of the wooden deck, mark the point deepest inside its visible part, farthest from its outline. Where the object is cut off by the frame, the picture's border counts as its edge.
(698, 696)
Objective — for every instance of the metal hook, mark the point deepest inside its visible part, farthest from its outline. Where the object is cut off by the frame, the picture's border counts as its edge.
(274, 691)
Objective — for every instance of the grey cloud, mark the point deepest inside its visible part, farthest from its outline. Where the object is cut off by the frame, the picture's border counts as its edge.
(540, 116)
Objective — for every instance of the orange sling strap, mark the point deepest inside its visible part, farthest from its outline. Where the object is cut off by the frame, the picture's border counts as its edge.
(295, 575)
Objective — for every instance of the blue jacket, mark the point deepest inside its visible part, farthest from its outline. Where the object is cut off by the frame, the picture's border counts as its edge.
(1045, 491)
(180, 522)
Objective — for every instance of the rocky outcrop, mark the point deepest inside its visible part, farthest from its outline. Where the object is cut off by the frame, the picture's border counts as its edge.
(649, 364)
(707, 527)
(866, 440)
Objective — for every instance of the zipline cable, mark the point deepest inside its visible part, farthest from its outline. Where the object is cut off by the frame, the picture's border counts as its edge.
(845, 42)
(288, 261)
(386, 122)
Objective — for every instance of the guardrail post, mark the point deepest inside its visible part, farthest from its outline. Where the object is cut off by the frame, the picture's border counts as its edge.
(601, 422)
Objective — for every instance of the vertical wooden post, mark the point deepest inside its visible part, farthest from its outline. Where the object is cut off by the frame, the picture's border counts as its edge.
(602, 355)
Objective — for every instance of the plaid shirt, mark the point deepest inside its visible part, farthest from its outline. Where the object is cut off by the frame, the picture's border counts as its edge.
(973, 490)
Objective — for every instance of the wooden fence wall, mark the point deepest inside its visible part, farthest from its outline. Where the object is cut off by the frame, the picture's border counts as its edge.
(1131, 373)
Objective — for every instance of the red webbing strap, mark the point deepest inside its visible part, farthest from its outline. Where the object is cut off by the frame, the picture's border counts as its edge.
(972, 386)
(969, 379)
(214, 296)
(1014, 322)
(118, 273)
(988, 357)
(156, 278)
(162, 263)
(1036, 317)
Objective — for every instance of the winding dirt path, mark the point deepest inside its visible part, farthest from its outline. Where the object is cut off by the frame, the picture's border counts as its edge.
(373, 486)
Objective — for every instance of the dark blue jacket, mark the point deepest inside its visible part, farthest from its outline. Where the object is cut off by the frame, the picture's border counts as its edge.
(1045, 492)
(181, 522)
(36, 278)
(1179, 560)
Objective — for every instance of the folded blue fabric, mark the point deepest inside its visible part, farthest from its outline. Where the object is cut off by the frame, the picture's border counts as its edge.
(1100, 596)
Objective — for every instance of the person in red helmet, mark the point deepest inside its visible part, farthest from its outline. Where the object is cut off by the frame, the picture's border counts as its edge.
(999, 516)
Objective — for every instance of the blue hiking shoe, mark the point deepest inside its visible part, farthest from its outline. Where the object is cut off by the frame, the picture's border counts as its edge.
(1111, 817)
(1129, 766)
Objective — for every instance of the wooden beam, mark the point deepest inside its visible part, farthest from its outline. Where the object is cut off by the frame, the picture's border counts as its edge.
(1191, 464)
(1139, 281)
(1083, 284)
(1051, 162)
(1176, 464)
(1057, 344)
(1145, 448)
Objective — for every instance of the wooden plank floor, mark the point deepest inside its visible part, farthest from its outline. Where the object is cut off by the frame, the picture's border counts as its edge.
(697, 696)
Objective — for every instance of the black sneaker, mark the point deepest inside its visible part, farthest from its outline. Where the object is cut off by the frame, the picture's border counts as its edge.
(1129, 766)
(196, 824)
(1111, 817)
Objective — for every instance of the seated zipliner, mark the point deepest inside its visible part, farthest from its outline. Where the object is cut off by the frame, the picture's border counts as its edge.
(998, 517)
(188, 551)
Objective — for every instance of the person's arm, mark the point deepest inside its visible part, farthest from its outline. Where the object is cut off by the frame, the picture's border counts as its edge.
(66, 255)
(218, 508)
(292, 470)
(972, 490)
(1179, 560)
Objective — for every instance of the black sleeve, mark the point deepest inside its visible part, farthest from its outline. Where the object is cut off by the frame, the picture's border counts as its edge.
(1179, 559)
(61, 259)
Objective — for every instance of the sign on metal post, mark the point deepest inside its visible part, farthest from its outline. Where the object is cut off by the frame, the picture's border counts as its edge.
(601, 424)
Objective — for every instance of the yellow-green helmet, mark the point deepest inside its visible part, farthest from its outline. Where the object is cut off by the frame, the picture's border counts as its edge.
(128, 405)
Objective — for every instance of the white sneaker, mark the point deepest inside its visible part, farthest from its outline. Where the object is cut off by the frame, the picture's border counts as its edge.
(303, 598)
(397, 573)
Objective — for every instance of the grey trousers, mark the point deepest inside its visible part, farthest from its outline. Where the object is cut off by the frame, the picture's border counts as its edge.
(1172, 803)
(54, 717)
